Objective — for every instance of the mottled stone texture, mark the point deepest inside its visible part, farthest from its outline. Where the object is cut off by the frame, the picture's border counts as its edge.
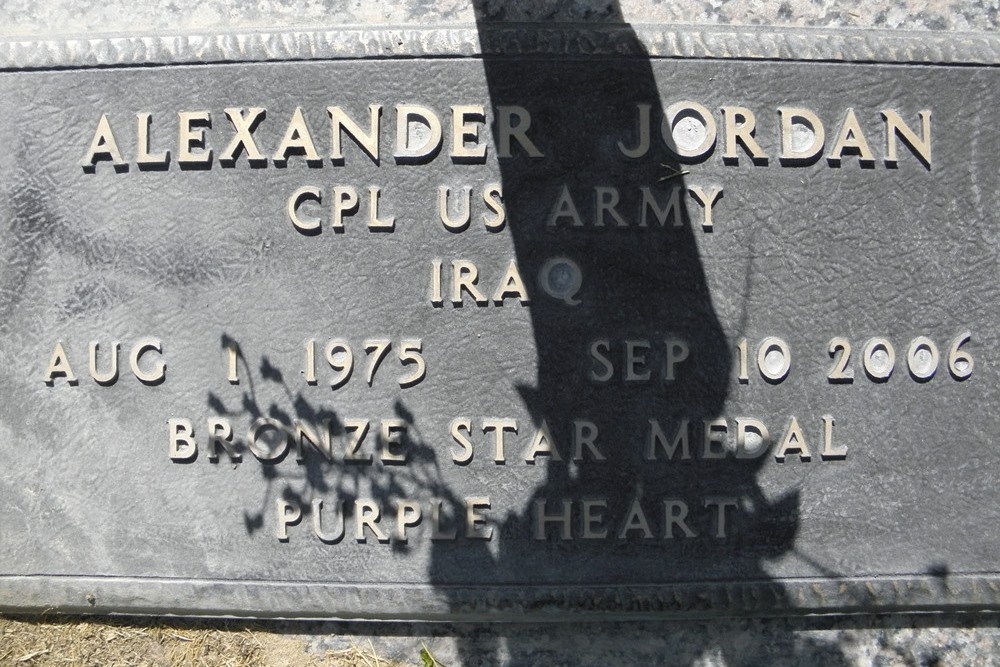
(65, 17)
(886, 641)
(953, 639)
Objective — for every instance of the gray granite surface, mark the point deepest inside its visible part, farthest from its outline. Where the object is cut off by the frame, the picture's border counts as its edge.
(953, 639)
(23, 18)
(887, 641)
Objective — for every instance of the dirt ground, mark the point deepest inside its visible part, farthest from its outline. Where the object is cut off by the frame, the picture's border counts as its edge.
(893, 640)
(76, 641)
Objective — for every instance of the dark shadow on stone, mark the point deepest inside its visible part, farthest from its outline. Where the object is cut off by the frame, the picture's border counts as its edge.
(639, 290)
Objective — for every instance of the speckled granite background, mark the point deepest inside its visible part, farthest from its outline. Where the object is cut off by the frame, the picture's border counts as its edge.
(952, 639)
(64, 17)
(888, 641)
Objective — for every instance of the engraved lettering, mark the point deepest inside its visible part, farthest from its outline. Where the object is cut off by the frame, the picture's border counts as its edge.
(895, 127)
(513, 122)
(308, 226)
(830, 452)
(677, 352)
(464, 278)
(408, 515)
(607, 199)
(144, 158)
(462, 440)
(752, 438)
(635, 362)
(355, 431)
(181, 443)
(740, 126)
(392, 434)
(642, 145)
(851, 138)
(689, 130)
(672, 210)
(793, 442)
(270, 448)
(428, 137)
(720, 504)
(464, 213)
(714, 443)
(561, 518)
(192, 146)
(593, 521)
(565, 208)
(111, 375)
(499, 427)
(297, 141)
(607, 369)
(635, 520)
(511, 286)
(438, 531)
(159, 371)
(317, 523)
(368, 141)
(320, 442)
(368, 515)
(220, 434)
(707, 199)
(345, 202)
(466, 119)
(103, 147)
(675, 512)
(289, 514)
(476, 524)
(243, 141)
(802, 136)
(493, 198)
(658, 439)
(584, 435)
(541, 445)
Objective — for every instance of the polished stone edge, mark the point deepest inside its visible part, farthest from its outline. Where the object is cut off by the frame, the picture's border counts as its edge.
(656, 41)
(409, 602)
